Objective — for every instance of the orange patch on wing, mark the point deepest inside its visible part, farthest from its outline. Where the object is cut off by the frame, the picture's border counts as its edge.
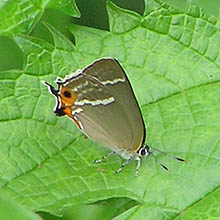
(67, 111)
(68, 97)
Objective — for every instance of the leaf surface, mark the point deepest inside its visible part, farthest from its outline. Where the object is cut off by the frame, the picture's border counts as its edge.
(19, 17)
(172, 61)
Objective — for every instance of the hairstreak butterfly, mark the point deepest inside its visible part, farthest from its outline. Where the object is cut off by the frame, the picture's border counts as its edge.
(101, 102)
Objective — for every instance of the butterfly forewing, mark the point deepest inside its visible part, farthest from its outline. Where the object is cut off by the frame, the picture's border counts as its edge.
(107, 108)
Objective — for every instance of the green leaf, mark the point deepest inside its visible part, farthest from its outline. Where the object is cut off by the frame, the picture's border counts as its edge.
(19, 17)
(122, 20)
(10, 210)
(106, 209)
(172, 61)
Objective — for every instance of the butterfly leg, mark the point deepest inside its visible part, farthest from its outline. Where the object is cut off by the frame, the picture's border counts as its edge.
(138, 165)
(124, 164)
(104, 157)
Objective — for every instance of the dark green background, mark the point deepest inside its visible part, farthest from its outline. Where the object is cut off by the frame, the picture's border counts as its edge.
(93, 14)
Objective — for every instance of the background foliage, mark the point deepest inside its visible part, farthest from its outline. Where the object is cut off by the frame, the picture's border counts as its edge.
(171, 55)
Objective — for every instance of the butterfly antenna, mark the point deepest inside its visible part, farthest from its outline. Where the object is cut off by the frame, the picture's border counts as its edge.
(156, 159)
(176, 158)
